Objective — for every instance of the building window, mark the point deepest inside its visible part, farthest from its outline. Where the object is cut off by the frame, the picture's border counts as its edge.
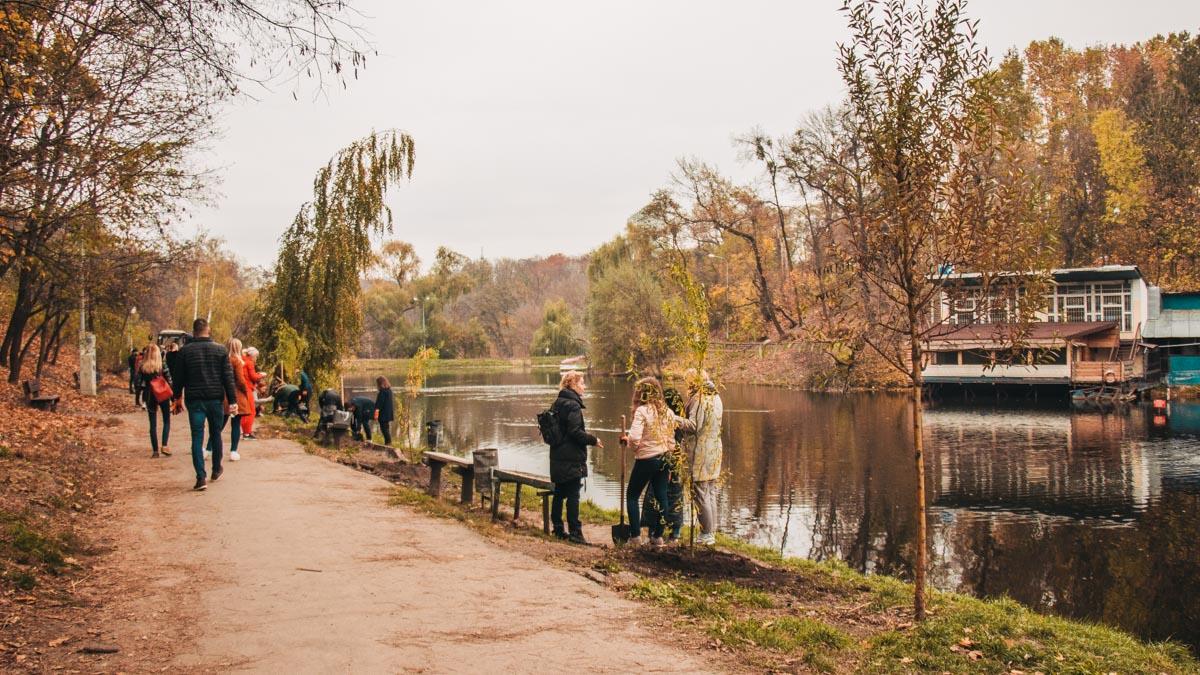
(976, 357)
(945, 358)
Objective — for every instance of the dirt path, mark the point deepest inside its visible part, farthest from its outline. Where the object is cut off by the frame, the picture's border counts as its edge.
(291, 563)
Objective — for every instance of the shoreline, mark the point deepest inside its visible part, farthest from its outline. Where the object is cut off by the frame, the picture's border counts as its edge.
(826, 617)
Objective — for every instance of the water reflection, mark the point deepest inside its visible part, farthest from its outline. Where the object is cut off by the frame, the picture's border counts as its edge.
(1085, 514)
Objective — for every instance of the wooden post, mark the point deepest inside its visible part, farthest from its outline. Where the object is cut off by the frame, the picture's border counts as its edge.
(495, 498)
(468, 486)
(517, 502)
(435, 479)
(545, 511)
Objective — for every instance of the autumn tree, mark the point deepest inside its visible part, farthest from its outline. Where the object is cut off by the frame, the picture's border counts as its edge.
(922, 110)
(556, 335)
(316, 289)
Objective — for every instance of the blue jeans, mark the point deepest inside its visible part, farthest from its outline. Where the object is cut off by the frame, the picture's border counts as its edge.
(652, 472)
(213, 412)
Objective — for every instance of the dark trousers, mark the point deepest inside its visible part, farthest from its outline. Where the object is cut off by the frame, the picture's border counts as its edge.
(672, 518)
(235, 434)
(362, 426)
(566, 491)
(385, 428)
(152, 410)
(652, 472)
(200, 413)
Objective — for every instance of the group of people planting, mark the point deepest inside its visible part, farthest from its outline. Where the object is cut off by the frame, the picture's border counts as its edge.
(670, 437)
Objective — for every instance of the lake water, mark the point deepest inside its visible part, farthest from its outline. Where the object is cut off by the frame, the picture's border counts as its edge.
(1088, 515)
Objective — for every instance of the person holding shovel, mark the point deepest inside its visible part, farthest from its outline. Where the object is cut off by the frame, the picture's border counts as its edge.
(652, 439)
(568, 458)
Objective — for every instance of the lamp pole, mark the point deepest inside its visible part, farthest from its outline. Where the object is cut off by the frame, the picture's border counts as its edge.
(727, 289)
(421, 304)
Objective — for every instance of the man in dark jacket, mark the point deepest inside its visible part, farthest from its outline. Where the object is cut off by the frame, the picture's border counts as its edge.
(568, 459)
(205, 382)
(364, 411)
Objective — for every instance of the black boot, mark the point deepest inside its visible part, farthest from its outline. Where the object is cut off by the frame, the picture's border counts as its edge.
(560, 532)
(576, 537)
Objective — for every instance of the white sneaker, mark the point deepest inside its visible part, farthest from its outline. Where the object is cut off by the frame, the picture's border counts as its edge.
(707, 540)
(657, 542)
(234, 456)
(207, 454)
(634, 541)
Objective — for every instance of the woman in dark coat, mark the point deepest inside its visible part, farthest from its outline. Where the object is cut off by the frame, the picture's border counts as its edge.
(385, 408)
(568, 459)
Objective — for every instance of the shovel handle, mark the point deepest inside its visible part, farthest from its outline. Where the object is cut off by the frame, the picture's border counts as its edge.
(622, 450)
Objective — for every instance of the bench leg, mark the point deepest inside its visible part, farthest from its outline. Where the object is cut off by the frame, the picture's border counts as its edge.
(546, 512)
(517, 502)
(435, 479)
(468, 486)
(495, 499)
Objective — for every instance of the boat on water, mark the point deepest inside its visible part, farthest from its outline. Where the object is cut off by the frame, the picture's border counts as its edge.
(573, 363)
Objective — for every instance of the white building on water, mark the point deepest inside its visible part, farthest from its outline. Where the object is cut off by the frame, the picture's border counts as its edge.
(1091, 332)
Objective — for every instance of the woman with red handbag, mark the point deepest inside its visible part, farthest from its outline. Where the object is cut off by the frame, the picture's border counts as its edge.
(155, 380)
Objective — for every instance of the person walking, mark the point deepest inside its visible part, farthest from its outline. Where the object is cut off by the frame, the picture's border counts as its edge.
(205, 382)
(137, 381)
(705, 410)
(652, 438)
(253, 377)
(152, 367)
(385, 408)
(133, 371)
(244, 396)
(568, 459)
(363, 408)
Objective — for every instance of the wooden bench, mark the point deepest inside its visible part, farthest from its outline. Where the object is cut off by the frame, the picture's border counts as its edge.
(35, 398)
(461, 465)
(518, 478)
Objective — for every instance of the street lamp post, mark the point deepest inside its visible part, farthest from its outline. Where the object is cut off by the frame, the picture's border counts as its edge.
(421, 303)
(727, 289)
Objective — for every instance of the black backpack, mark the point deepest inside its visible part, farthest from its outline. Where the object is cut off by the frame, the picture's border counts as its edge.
(551, 426)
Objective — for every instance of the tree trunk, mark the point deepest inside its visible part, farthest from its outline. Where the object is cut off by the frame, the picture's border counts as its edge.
(10, 349)
(918, 431)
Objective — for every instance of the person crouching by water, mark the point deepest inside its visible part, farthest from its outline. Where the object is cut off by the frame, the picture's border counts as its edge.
(363, 409)
(704, 410)
(652, 438)
(568, 459)
(152, 366)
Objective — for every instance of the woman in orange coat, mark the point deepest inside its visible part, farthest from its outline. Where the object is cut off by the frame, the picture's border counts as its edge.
(245, 396)
(249, 357)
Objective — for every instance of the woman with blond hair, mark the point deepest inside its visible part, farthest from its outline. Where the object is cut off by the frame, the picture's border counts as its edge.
(568, 457)
(244, 395)
(652, 439)
(151, 367)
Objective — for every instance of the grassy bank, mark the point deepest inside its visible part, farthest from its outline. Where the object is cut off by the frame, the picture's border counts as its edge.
(398, 366)
(784, 614)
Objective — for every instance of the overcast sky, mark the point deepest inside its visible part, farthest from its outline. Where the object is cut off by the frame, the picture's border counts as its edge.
(541, 126)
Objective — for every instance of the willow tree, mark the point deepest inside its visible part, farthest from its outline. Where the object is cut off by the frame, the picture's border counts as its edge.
(943, 192)
(323, 255)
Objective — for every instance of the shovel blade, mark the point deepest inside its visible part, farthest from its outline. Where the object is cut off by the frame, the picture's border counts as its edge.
(620, 534)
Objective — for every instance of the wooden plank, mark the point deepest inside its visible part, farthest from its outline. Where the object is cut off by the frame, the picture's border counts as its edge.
(531, 479)
(448, 459)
